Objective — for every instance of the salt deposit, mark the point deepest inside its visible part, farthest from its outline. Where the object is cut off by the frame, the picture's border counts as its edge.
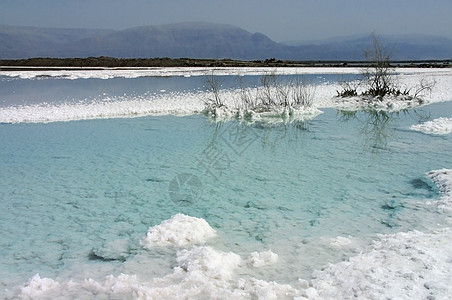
(273, 116)
(202, 273)
(438, 126)
(165, 72)
(412, 265)
(200, 71)
(387, 103)
(443, 179)
(264, 258)
(403, 265)
(178, 231)
(174, 103)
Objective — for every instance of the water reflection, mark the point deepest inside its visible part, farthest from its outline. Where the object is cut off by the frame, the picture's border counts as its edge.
(377, 126)
(291, 134)
(240, 135)
(232, 140)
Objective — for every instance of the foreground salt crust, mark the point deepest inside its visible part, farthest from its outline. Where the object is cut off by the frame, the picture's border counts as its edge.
(180, 230)
(405, 265)
(440, 126)
(202, 273)
(412, 265)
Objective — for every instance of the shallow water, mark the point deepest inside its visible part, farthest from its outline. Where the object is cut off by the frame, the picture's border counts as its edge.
(55, 90)
(68, 189)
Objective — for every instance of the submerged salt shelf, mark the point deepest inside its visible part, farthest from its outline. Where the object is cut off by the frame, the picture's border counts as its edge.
(343, 204)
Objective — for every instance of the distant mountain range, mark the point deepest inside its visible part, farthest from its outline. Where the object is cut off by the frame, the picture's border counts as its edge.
(202, 40)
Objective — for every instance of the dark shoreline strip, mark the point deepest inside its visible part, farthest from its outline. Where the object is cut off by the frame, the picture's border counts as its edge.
(96, 63)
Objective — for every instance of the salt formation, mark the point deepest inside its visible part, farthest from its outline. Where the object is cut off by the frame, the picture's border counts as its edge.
(438, 126)
(412, 265)
(264, 258)
(202, 273)
(178, 231)
(443, 179)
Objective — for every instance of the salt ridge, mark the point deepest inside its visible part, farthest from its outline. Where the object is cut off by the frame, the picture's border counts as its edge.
(201, 71)
(173, 103)
(183, 103)
(180, 230)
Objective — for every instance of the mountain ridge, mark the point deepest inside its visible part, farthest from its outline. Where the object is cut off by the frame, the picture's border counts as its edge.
(200, 40)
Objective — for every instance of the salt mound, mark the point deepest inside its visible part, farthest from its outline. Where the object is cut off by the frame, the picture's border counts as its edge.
(205, 261)
(438, 126)
(178, 231)
(264, 258)
(37, 286)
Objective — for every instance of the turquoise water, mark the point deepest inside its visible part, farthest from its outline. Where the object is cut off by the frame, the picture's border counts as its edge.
(68, 188)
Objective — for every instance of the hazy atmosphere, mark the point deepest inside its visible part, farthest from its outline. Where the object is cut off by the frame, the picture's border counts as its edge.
(280, 20)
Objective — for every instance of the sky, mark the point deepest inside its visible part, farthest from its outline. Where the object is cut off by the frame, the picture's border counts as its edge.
(283, 20)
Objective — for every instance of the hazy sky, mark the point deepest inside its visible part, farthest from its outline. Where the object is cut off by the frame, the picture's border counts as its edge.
(283, 20)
